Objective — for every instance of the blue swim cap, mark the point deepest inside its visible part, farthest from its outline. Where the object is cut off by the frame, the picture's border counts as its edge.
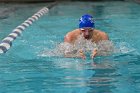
(86, 21)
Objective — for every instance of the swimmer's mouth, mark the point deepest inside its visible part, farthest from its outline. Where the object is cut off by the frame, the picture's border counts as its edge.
(87, 37)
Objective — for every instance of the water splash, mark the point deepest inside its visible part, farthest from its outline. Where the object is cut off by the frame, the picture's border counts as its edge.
(105, 47)
(125, 48)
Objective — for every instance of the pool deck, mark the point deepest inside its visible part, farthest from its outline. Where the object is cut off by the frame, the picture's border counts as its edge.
(25, 1)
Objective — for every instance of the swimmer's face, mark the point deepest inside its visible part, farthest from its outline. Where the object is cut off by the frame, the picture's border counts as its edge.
(87, 32)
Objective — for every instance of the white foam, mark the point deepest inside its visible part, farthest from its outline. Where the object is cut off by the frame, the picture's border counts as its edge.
(104, 48)
(1, 51)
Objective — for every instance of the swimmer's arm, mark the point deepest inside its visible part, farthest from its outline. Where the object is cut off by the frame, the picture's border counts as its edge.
(94, 53)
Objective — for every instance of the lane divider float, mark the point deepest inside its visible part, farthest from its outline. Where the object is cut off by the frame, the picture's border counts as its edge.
(6, 43)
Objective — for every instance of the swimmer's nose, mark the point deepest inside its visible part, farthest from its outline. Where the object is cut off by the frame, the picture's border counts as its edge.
(86, 33)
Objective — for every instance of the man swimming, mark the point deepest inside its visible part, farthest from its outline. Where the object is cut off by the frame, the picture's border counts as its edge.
(88, 32)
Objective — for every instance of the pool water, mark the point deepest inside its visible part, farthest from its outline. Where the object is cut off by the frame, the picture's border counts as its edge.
(23, 69)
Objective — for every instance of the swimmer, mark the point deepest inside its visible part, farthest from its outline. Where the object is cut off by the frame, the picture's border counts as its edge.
(87, 31)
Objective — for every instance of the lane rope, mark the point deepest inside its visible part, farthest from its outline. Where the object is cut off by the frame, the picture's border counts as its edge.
(6, 43)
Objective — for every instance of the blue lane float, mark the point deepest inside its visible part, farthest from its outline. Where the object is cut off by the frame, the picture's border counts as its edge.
(6, 43)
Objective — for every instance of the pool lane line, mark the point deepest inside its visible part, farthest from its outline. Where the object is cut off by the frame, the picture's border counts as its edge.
(6, 43)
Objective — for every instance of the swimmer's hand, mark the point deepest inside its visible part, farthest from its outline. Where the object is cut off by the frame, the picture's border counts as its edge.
(81, 54)
(94, 53)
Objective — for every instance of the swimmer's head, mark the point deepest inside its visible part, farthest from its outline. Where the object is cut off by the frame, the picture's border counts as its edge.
(86, 26)
(86, 21)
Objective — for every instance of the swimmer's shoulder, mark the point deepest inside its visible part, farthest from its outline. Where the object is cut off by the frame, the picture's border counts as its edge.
(101, 34)
(72, 35)
(74, 32)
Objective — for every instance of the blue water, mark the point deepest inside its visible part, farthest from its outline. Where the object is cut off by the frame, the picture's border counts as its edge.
(24, 70)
